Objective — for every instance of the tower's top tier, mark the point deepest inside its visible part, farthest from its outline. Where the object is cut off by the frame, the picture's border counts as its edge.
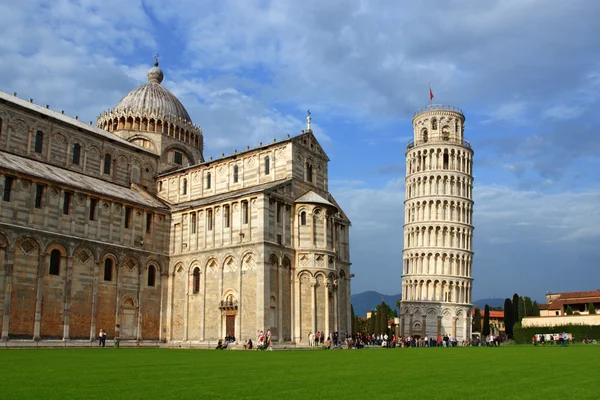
(438, 123)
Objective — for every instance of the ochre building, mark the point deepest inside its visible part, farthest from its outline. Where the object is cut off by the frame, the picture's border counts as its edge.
(124, 226)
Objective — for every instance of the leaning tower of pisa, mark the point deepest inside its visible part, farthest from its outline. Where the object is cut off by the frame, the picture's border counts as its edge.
(438, 227)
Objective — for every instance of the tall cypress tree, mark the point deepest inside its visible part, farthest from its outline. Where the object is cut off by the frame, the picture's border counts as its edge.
(477, 320)
(508, 317)
(376, 323)
(371, 323)
(354, 320)
(486, 321)
(529, 311)
(515, 302)
(522, 310)
(383, 320)
(536, 309)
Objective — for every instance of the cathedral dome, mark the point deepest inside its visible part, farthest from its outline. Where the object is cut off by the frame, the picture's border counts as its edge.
(150, 110)
(152, 99)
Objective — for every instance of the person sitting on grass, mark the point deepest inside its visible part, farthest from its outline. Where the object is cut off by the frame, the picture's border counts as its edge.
(327, 343)
(219, 345)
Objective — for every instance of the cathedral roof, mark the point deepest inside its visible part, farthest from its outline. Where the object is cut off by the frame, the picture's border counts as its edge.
(153, 100)
(313, 198)
(13, 162)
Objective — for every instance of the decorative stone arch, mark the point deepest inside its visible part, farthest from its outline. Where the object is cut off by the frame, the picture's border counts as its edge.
(138, 137)
(56, 258)
(132, 263)
(179, 269)
(128, 317)
(286, 262)
(230, 264)
(249, 261)
(148, 274)
(230, 294)
(114, 274)
(178, 147)
(212, 265)
(274, 260)
(85, 255)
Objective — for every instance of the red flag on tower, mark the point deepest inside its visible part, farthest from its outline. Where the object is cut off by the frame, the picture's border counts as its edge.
(430, 94)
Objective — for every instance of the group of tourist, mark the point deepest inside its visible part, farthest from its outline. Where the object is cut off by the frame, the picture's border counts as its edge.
(562, 338)
(318, 339)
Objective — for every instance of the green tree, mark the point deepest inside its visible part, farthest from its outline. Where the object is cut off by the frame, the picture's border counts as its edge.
(371, 323)
(536, 309)
(384, 313)
(353, 319)
(515, 302)
(529, 312)
(477, 320)
(486, 321)
(376, 322)
(522, 310)
(591, 308)
(569, 310)
(508, 317)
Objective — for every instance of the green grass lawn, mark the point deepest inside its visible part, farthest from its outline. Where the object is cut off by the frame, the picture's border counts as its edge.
(438, 373)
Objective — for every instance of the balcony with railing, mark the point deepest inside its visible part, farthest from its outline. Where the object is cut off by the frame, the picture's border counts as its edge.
(228, 305)
(447, 140)
(437, 107)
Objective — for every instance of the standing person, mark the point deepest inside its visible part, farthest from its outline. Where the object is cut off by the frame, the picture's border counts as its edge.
(100, 337)
(103, 338)
(322, 337)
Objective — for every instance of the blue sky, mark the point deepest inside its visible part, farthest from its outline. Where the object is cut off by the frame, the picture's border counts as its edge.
(526, 73)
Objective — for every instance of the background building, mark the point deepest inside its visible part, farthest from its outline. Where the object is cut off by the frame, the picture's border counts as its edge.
(438, 227)
(125, 227)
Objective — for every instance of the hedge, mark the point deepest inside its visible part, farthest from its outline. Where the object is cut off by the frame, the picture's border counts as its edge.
(579, 332)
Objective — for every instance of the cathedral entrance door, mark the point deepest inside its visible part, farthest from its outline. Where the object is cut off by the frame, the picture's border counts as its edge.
(128, 320)
(230, 325)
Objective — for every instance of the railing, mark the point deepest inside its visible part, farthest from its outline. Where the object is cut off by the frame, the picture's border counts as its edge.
(437, 107)
(464, 142)
(228, 305)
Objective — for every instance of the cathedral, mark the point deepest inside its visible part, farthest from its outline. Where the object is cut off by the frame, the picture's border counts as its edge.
(125, 226)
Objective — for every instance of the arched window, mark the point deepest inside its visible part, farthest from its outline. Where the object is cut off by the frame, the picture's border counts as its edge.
(434, 124)
(151, 276)
(424, 135)
(235, 173)
(445, 132)
(39, 141)
(160, 186)
(267, 165)
(303, 218)
(107, 162)
(108, 269)
(54, 262)
(76, 153)
(196, 281)
(309, 172)
(208, 180)
(184, 186)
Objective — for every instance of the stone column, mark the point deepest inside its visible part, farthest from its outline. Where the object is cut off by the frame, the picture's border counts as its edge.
(164, 281)
(94, 301)
(313, 305)
(326, 308)
(410, 324)
(8, 263)
(186, 308)
(280, 301)
(402, 326)
(67, 297)
(38, 300)
(424, 323)
(439, 325)
(454, 327)
(140, 303)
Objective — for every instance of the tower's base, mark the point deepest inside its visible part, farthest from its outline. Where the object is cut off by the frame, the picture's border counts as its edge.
(433, 319)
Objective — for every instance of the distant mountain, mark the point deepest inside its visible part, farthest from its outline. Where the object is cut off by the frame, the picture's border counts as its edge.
(367, 301)
(496, 302)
